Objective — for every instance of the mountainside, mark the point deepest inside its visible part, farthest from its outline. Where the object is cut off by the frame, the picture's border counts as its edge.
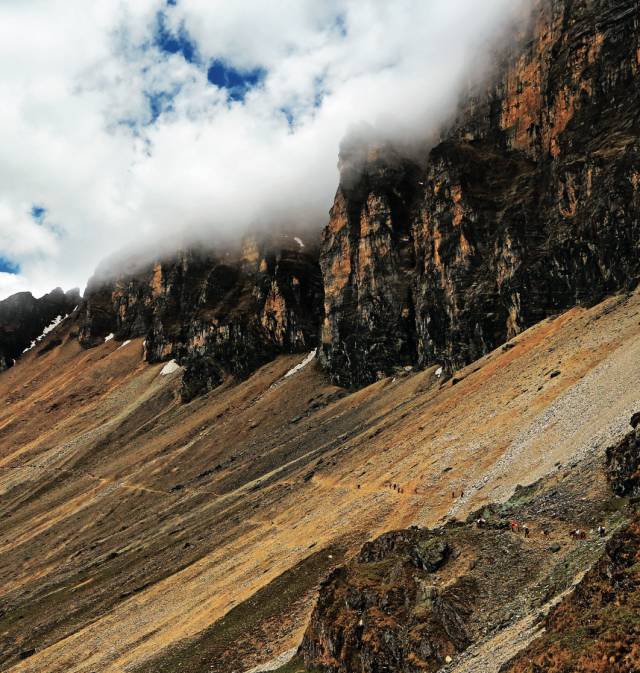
(404, 449)
(473, 593)
(23, 319)
(142, 533)
(528, 206)
(596, 628)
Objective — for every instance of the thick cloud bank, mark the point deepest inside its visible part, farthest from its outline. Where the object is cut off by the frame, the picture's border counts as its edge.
(124, 123)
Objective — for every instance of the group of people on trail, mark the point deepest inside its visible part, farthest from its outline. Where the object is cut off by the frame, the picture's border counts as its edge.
(397, 488)
(517, 527)
(579, 534)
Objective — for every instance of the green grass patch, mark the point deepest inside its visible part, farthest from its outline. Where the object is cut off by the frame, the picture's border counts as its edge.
(296, 665)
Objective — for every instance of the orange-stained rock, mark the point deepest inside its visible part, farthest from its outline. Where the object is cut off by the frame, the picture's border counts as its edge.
(528, 205)
(217, 313)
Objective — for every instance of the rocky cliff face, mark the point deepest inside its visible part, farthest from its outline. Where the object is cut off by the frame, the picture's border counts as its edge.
(528, 206)
(623, 463)
(216, 313)
(23, 319)
(385, 610)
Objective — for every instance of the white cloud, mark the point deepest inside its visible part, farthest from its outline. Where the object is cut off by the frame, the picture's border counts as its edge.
(78, 137)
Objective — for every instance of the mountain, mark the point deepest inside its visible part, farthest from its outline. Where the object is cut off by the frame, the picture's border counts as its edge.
(24, 318)
(217, 313)
(527, 207)
(139, 532)
(415, 600)
(306, 456)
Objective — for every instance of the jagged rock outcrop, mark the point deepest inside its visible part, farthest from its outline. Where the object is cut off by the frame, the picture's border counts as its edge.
(528, 206)
(216, 313)
(385, 611)
(623, 464)
(23, 319)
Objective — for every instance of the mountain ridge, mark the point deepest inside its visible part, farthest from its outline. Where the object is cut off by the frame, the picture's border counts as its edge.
(334, 463)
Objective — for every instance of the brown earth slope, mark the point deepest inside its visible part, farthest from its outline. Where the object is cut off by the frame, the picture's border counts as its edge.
(465, 594)
(136, 530)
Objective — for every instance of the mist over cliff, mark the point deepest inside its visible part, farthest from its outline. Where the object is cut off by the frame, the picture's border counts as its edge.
(126, 126)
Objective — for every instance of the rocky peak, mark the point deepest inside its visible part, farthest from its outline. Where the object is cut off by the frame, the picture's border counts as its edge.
(23, 318)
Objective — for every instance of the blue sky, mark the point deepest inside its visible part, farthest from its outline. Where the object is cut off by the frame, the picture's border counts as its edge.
(174, 41)
(7, 266)
(236, 82)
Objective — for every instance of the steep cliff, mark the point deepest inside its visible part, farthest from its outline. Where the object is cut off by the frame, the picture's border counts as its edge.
(623, 463)
(23, 318)
(216, 313)
(529, 205)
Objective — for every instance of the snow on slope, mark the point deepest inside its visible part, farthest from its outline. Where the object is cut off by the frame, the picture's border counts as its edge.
(49, 328)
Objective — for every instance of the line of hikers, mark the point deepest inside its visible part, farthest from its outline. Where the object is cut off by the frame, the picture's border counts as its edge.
(517, 527)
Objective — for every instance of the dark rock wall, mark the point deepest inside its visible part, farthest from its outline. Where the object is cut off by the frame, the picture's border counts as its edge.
(528, 206)
(23, 319)
(623, 465)
(216, 313)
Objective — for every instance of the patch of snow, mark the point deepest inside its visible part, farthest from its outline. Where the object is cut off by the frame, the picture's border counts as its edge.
(302, 365)
(108, 337)
(298, 241)
(49, 328)
(439, 372)
(124, 343)
(171, 367)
